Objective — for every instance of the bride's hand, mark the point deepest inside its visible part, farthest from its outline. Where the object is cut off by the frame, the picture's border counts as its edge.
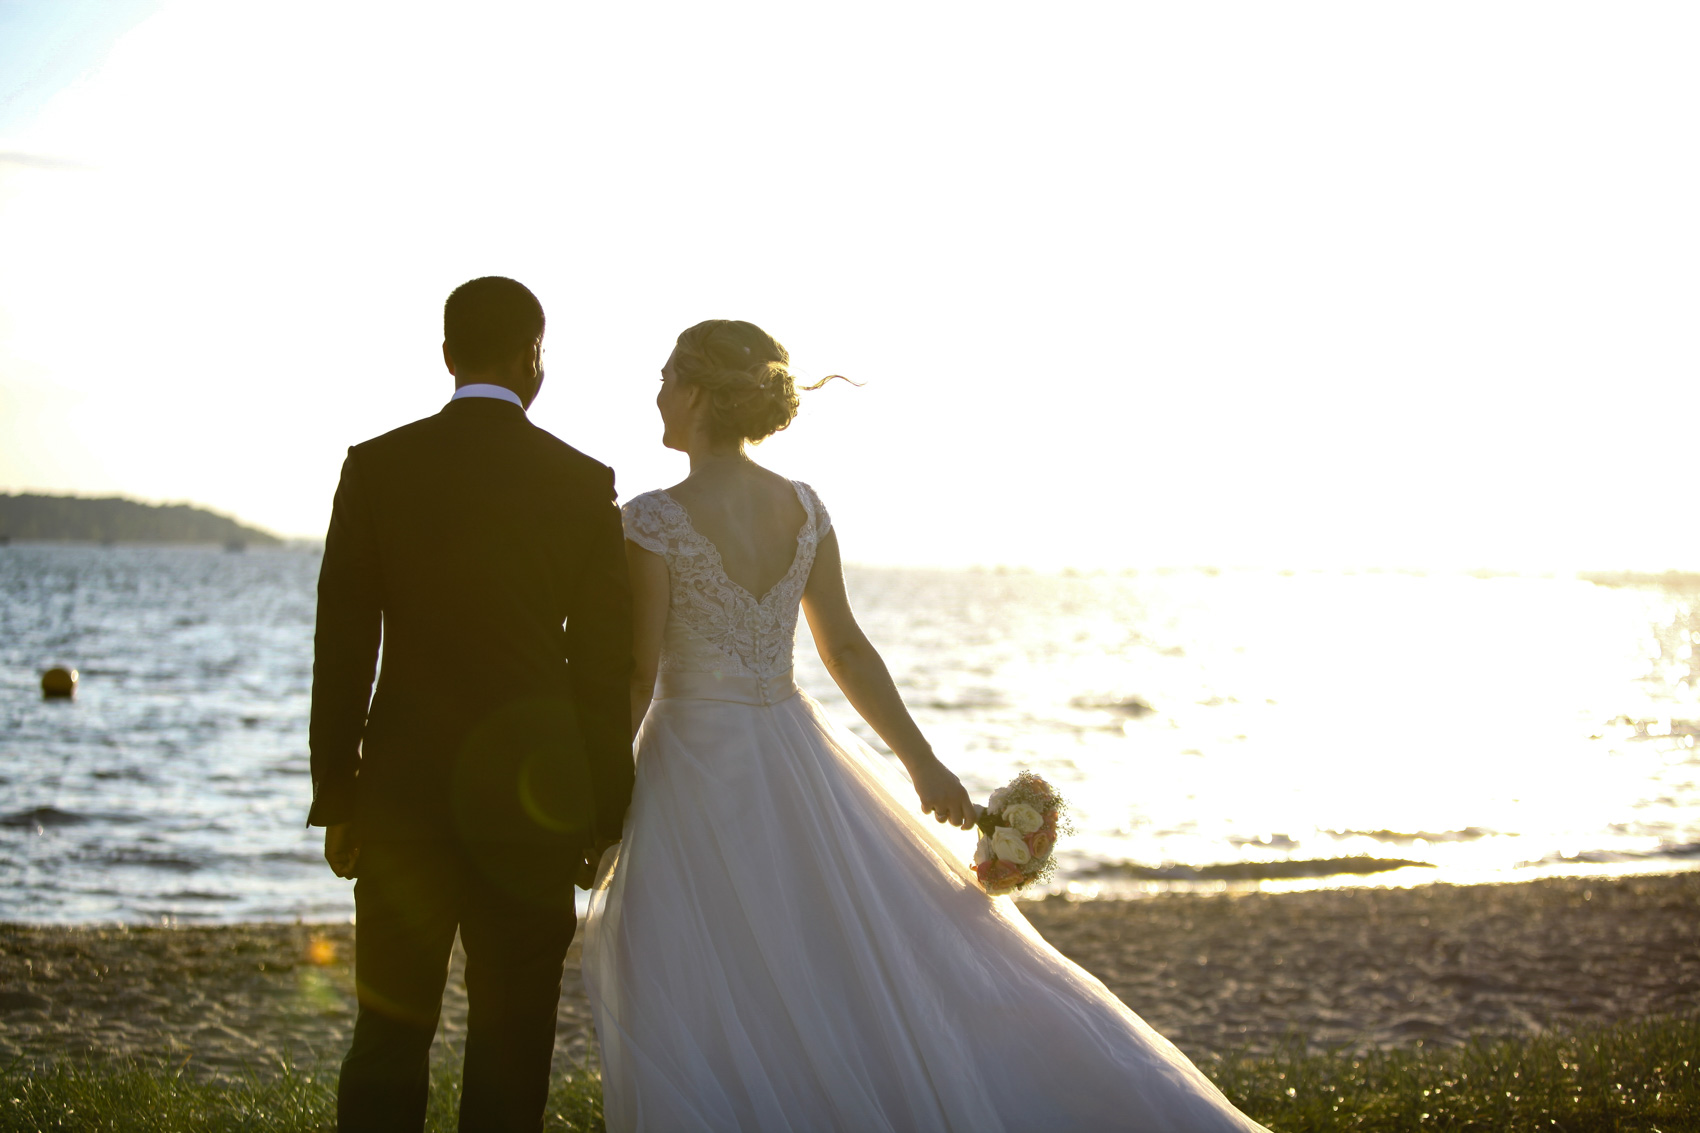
(942, 795)
(585, 876)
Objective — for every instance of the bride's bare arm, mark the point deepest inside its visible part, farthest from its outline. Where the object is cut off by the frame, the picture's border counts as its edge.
(860, 671)
(648, 573)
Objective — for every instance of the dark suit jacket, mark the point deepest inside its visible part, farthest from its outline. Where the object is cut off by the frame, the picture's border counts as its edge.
(490, 556)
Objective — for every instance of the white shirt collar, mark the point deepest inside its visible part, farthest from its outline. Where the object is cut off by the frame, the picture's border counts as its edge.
(486, 389)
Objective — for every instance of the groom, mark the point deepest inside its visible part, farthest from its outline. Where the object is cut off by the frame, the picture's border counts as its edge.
(493, 764)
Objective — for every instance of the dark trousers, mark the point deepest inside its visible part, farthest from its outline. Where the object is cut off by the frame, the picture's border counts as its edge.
(513, 906)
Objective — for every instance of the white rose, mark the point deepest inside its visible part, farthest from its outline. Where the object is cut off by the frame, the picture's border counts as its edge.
(1009, 847)
(995, 803)
(983, 850)
(1023, 817)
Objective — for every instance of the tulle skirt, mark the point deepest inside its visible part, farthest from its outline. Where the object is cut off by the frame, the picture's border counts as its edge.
(783, 943)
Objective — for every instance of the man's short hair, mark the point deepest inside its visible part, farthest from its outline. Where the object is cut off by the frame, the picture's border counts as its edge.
(491, 321)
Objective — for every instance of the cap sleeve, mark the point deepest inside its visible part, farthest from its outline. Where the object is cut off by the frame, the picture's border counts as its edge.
(643, 523)
(823, 520)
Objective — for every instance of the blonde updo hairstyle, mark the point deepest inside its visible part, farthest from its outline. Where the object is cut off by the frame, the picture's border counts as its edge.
(746, 374)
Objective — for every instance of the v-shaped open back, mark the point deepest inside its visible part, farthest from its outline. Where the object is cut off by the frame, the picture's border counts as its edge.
(719, 560)
(714, 624)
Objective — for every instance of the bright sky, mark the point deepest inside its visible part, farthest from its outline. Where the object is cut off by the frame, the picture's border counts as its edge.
(1297, 284)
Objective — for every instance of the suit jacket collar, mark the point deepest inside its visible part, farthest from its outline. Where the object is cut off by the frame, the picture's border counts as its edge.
(485, 407)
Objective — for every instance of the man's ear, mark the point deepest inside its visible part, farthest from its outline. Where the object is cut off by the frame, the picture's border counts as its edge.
(448, 359)
(536, 374)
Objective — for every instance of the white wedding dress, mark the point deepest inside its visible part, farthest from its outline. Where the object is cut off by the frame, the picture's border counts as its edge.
(783, 943)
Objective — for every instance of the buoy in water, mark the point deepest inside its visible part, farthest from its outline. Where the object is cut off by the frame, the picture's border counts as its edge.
(59, 684)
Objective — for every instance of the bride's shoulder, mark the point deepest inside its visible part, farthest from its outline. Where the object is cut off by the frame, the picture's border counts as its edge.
(817, 510)
(647, 519)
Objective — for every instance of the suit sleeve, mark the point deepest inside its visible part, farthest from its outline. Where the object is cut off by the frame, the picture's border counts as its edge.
(599, 661)
(345, 650)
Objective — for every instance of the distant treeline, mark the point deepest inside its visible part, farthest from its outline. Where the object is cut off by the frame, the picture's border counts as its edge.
(114, 519)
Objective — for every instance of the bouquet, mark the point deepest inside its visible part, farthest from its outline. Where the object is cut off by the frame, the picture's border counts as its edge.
(1018, 831)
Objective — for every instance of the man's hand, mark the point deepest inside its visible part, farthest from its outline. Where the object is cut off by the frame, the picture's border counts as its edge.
(586, 876)
(942, 794)
(342, 850)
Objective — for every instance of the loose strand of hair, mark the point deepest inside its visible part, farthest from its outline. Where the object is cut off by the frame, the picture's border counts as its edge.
(832, 377)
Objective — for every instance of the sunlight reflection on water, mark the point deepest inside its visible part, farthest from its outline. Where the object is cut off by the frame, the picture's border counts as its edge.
(1491, 726)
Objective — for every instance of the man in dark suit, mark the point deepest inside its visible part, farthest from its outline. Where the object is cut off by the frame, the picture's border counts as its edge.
(493, 765)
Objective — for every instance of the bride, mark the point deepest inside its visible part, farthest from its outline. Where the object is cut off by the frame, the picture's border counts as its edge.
(779, 943)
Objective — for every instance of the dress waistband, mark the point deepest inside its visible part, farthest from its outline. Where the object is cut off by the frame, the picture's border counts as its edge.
(683, 685)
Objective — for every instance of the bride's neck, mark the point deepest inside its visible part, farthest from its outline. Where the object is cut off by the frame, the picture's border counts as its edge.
(711, 460)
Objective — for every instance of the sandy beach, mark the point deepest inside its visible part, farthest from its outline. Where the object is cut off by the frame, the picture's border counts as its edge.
(1216, 973)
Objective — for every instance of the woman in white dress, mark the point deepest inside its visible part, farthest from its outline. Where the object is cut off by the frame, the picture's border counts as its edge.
(780, 942)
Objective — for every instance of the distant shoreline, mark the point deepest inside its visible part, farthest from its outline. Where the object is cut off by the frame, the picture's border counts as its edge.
(313, 545)
(113, 520)
(1667, 580)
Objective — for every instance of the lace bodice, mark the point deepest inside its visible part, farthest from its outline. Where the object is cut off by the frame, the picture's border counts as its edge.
(713, 624)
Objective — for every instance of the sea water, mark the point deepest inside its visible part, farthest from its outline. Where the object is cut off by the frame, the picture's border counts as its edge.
(1235, 728)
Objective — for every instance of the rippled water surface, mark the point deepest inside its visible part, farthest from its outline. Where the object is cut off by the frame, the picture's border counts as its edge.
(1233, 728)
(174, 783)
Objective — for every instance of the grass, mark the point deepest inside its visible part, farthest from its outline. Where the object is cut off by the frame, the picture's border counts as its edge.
(112, 1096)
(1642, 1076)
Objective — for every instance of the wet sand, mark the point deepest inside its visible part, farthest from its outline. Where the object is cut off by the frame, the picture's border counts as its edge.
(1217, 974)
